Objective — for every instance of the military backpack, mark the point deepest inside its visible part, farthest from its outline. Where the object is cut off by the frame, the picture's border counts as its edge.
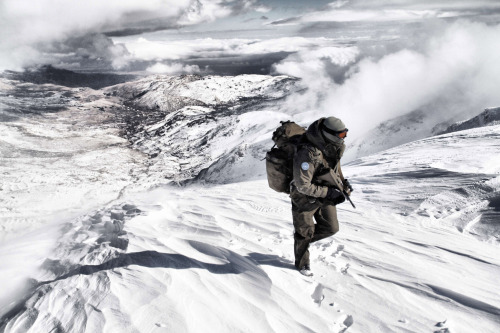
(279, 160)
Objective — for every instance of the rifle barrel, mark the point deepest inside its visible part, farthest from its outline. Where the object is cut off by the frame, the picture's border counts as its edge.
(347, 197)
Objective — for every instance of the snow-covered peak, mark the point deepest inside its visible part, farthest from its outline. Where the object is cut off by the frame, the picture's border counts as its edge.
(169, 93)
(488, 117)
(187, 123)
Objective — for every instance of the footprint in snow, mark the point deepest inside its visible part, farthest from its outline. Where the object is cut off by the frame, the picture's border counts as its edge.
(108, 224)
(343, 324)
(105, 225)
(317, 295)
(348, 322)
(344, 269)
(338, 252)
(442, 329)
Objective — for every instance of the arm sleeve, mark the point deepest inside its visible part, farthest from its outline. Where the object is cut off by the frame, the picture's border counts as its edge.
(303, 172)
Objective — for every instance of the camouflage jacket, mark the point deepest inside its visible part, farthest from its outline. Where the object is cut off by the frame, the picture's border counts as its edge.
(316, 164)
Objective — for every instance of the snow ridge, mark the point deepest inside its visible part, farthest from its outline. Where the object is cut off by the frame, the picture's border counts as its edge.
(489, 117)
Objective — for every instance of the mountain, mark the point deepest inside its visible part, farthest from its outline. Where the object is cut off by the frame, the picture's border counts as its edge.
(488, 117)
(187, 123)
(416, 125)
(97, 234)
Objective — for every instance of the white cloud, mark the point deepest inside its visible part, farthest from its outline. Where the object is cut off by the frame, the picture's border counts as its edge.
(311, 66)
(27, 27)
(338, 3)
(32, 25)
(173, 68)
(262, 9)
(46, 20)
(144, 49)
(455, 72)
(204, 11)
(460, 5)
(308, 50)
(311, 63)
(389, 10)
(346, 15)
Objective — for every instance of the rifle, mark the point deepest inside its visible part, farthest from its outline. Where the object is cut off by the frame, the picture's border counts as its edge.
(348, 198)
(335, 178)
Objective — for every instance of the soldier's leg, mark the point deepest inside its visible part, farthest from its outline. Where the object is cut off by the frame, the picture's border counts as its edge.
(303, 224)
(303, 209)
(327, 223)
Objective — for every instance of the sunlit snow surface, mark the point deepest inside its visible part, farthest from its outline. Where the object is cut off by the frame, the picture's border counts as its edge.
(419, 254)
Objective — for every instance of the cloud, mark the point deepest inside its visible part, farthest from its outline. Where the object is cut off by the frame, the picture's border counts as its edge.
(312, 62)
(173, 68)
(204, 11)
(455, 72)
(227, 56)
(345, 15)
(313, 66)
(393, 10)
(287, 21)
(460, 5)
(28, 28)
(261, 8)
(142, 49)
(47, 20)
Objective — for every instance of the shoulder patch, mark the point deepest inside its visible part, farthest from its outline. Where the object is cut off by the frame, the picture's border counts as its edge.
(304, 166)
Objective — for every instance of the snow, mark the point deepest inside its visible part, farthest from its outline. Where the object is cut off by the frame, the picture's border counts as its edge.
(220, 258)
(124, 250)
(58, 164)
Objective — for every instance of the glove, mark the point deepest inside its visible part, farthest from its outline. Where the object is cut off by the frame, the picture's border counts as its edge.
(348, 185)
(334, 196)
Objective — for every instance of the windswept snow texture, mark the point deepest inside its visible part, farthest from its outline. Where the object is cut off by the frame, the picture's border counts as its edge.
(419, 254)
(451, 179)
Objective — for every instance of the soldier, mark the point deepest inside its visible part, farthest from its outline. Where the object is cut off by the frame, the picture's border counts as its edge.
(317, 186)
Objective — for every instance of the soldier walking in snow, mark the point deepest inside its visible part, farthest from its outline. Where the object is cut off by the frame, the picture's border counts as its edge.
(317, 186)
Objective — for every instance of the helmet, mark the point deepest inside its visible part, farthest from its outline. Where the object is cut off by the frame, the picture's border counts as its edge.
(333, 128)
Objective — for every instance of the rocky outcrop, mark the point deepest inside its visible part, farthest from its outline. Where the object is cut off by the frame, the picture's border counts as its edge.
(488, 117)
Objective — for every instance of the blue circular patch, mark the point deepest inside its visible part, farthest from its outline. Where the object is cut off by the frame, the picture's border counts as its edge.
(305, 166)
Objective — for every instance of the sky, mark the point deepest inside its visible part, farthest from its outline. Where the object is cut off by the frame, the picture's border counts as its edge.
(72, 33)
(359, 59)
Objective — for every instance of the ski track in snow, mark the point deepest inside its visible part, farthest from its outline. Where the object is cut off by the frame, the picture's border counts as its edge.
(413, 257)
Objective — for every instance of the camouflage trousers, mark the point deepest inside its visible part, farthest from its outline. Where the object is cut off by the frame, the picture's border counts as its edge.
(305, 212)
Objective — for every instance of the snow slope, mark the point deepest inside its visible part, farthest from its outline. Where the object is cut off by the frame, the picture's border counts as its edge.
(451, 179)
(219, 258)
(419, 254)
(66, 151)
(61, 154)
